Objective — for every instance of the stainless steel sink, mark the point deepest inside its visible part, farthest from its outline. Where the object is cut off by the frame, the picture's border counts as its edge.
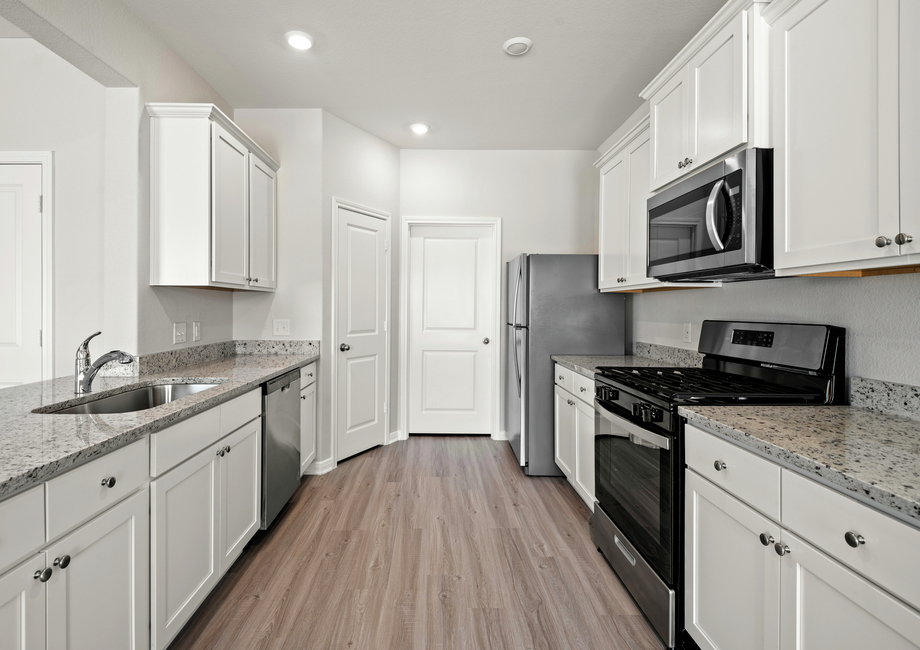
(138, 399)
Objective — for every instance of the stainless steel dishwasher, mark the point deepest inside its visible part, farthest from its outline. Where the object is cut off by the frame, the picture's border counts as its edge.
(280, 443)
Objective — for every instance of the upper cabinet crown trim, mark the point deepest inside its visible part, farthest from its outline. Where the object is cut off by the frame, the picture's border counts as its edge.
(778, 8)
(628, 137)
(213, 113)
(716, 23)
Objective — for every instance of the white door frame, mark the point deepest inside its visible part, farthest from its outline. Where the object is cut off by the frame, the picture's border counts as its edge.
(333, 369)
(495, 223)
(46, 160)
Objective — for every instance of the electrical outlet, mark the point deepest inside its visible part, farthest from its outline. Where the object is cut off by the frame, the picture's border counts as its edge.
(178, 332)
(196, 330)
(281, 327)
(687, 336)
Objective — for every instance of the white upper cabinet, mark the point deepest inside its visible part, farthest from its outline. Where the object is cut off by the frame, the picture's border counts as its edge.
(909, 66)
(713, 97)
(213, 213)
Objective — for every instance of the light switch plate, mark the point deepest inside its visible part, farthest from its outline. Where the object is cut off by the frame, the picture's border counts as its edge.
(281, 327)
(196, 330)
(178, 332)
(687, 336)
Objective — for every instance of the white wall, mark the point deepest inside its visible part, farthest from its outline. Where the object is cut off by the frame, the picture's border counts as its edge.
(363, 169)
(48, 105)
(881, 314)
(293, 137)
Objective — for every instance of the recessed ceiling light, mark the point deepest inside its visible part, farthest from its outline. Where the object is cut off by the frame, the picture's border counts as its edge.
(299, 40)
(419, 128)
(517, 46)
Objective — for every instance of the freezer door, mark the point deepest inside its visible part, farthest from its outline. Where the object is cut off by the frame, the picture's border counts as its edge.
(515, 392)
(516, 291)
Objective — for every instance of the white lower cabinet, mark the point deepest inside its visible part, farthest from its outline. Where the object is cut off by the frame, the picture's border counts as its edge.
(22, 606)
(307, 417)
(753, 583)
(573, 435)
(202, 514)
(564, 431)
(584, 451)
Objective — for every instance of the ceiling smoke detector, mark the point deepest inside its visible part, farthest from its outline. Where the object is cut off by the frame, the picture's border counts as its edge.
(299, 40)
(517, 46)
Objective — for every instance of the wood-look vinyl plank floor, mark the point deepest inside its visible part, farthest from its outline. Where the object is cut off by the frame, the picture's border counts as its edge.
(433, 543)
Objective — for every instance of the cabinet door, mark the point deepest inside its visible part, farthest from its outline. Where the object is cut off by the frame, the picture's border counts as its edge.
(584, 452)
(835, 112)
(22, 606)
(183, 536)
(637, 256)
(828, 607)
(910, 123)
(229, 208)
(240, 490)
(718, 93)
(732, 579)
(613, 242)
(307, 426)
(100, 599)
(263, 243)
(564, 431)
(669, 108)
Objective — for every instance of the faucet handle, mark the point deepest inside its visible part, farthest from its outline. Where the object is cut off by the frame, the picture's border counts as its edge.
(85, 344)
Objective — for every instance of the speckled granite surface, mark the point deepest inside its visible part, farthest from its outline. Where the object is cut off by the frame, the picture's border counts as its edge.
(276, 347)
(869, 455)
(37, 446)
(587, 364)
(669, 355)
(885, 397)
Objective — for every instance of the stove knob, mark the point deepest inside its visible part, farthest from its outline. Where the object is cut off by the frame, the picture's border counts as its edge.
(655, 415)
(647, 414)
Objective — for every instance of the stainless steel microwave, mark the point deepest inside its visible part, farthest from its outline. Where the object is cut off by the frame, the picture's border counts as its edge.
(715, 225)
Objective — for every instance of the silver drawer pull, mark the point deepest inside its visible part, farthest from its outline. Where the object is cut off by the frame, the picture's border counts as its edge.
(854, 539)
(781, 549)
(561, 377)
(583, 389)
(719, 465)
(627, 554)
(766, 539)
(44, 575)
(62, 562)
(109, 482)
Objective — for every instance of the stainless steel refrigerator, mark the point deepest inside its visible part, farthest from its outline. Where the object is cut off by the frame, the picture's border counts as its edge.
(553, 307)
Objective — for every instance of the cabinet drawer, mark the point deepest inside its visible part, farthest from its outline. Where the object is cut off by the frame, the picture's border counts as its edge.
(239, 411)
(565, 378)
(752, 479)
(824, 517)
(172, 445)
(307, 375)
(583, 388)
(22, 525)
(80, 493)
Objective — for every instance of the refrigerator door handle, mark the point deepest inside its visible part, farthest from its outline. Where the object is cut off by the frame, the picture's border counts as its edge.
(517, 365)
(517, 286)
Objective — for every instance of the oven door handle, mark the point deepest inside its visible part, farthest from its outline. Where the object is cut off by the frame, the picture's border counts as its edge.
(633, 430)
(711, 215)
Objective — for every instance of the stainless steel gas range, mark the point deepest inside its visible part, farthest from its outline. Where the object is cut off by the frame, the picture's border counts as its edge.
(639, 459)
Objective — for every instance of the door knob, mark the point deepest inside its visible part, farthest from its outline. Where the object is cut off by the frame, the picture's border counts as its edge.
(486, 340)
(344, 347)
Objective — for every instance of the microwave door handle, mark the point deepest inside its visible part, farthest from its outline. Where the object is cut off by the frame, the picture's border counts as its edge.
(711, 215)
(634, 431)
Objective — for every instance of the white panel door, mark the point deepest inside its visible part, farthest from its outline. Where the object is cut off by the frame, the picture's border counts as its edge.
(584, 451)
(240, 490)
(307, 426)
(21, 270)
(835, 117)
(262, 220)
(825, 606)
(183, 534)
(732, 578)
(22, 606)
(669, 108)
(361, 338)
(910, 123)
(229, 208)
(100, 599)
(452, 329)
(613, 247)
(564, 431)
(637, 154)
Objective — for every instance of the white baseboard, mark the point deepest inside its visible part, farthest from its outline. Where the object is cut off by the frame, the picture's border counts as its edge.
(394, 436)
(501, 435)
(318, 467)
(403, 435)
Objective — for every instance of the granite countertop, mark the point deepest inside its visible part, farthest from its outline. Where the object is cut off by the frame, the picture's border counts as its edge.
(36, 446)
(587, 365)
(868, 455)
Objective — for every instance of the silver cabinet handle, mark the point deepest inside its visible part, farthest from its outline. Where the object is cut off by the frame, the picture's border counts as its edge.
(255, 279)
(344, 347)
(248, 279)
(781, 549)
(881, 241)
(43, 575)
(719, 465)
(561, 377)
(766, 539)
(309, 374)
(227, 449)
(62, 562)
(220, 452)
(486, 340)
(686, 162)
(900, 239)
(108, 482)
(583, 389)
(854, 539)
(303, 397)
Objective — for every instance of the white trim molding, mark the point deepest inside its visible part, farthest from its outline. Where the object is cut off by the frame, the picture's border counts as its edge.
(628, 137)
(333, 366)
(46, 160)
(318, 467)
(495, 223)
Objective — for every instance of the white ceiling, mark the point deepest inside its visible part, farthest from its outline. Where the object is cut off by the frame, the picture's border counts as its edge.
(384, 65)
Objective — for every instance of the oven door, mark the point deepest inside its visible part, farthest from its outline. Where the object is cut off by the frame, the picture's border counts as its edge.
(635, 477)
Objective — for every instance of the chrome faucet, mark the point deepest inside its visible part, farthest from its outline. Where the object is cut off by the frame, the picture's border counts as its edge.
(85, 371)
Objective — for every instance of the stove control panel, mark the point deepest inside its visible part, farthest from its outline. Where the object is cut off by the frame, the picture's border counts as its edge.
(750, 337)
(606, 394)
(647, 413)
